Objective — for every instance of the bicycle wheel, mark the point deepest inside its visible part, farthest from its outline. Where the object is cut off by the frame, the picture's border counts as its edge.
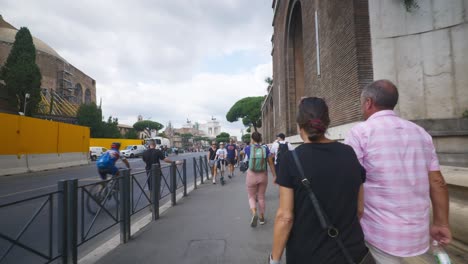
(95, 198)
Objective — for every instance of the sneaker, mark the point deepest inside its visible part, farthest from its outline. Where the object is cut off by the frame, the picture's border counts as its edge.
(261, 220)
(230, 177)
(214, 181)
(253, 221)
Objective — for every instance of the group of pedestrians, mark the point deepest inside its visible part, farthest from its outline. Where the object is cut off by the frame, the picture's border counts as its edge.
(365, 201)
(222, 158)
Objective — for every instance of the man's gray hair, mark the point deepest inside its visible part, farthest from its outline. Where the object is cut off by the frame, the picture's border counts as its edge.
(383, 92)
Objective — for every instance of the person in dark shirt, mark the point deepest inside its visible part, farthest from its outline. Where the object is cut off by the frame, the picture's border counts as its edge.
(212, 160)
(336, 178)
(153, 156)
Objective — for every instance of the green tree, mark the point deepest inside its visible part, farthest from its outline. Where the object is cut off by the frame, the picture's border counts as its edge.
(144, 124)
(91, 116)
(21, 74)
(223, 137)
(269, 80)
(246, 138)
(110, 128)
(131, 134)
(249, 109)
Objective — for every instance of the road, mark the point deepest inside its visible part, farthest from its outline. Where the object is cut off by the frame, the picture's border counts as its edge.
(37, 236)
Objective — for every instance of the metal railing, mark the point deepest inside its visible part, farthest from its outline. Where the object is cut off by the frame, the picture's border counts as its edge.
(77, 214)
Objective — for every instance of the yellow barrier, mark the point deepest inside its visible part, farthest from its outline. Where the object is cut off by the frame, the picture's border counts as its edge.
(106, 142)
(24, 135)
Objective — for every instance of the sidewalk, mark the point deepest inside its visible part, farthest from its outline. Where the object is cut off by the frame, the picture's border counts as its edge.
(211, 225)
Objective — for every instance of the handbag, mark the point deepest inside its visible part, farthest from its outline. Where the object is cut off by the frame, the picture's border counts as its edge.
(244, 166)
(332, 231)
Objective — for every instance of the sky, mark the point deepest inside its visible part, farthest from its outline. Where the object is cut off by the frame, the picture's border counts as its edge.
(165, 60)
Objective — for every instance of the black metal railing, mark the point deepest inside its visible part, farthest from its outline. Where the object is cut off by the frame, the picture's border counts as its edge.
(77, 214)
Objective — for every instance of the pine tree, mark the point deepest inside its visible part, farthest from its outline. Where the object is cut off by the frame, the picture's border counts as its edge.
(21, 73)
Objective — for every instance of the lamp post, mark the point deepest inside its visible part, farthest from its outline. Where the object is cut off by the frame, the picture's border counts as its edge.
(26, 97)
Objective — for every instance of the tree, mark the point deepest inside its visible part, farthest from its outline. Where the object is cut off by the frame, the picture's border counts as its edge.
(269, 80)
(147, 124)
(249, 109)
(246, 138)
(91, 116)
(223, 137)
(110, 128)
(131, 134)
(21, 74)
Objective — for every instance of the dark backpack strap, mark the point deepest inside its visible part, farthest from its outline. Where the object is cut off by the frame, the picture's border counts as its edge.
(323, 219)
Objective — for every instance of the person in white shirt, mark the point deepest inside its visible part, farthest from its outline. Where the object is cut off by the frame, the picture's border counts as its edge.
(221, 155)
(278, 148)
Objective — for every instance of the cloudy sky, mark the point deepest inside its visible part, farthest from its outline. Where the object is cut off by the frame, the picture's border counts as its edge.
(165, 60)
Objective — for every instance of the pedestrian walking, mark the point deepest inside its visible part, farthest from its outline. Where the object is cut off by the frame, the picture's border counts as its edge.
(257, 177)
(212, 160)
(403, 178)
(232, 153)
(279, 149)
(330, 172)
(153, 156)
(221, 163)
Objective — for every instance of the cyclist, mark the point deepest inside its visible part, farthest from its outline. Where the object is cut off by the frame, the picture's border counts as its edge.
(221, 155)
(106, 163)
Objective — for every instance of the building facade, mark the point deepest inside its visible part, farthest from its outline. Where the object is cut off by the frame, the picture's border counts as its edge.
(332, 49)
(59, 77)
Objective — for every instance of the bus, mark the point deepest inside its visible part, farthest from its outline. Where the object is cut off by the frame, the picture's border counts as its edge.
(160, 142)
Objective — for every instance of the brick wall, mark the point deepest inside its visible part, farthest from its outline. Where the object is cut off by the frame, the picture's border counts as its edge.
(345, 59)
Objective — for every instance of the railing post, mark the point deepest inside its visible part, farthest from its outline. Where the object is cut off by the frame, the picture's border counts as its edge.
(155, 189)
(200, 167)
(206, 168)
(173, 183)
(72, 221)
(194, 172)
(62, 220)
(184, 176)
(124, 203)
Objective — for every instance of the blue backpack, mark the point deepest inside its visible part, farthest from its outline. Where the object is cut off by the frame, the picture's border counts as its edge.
(104, 161)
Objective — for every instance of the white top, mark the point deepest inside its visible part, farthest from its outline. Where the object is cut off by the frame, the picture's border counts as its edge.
(221, 153)
(275, 147)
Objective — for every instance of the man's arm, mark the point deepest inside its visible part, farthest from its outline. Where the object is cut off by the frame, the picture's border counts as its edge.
(283, 222)
(440, 229)
(360, 207)
(126, 163)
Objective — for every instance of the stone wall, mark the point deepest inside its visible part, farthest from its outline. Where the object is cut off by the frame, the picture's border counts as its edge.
(425, 52)
(345, 60)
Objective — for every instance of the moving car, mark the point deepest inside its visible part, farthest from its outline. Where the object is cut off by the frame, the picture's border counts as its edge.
(96, 152)
(133, 151)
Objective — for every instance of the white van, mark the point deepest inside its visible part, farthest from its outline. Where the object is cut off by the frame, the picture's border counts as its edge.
(160, 141)
(96, 152)
(133, 151)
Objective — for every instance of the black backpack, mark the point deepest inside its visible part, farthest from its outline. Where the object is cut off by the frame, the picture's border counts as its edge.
(282, 150)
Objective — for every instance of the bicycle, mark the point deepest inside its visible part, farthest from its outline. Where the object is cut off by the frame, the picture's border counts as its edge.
(100, 192)
(222, 168)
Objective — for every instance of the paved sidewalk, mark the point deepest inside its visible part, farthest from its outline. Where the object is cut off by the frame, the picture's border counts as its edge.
(212, 225)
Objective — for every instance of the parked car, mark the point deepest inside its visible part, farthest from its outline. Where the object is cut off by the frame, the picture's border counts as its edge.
(133, 151)
(96, 152)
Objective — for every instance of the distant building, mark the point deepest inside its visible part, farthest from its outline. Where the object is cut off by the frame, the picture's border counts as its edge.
(123, 129)
(60, 79)
(212, 128)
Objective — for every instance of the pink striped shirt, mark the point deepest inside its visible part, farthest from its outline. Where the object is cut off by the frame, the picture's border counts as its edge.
(397, 155)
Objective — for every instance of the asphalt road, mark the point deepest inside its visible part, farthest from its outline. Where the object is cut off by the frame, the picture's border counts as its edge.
(37, 236)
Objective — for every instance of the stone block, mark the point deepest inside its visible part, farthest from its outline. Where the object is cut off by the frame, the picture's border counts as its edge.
(439, 97)
(452, 144)
(387, 18)
(12, 164)
(383, 59)
(420, 19)
(436, 52)
(459, 36)
(410, 77)
(447, 13)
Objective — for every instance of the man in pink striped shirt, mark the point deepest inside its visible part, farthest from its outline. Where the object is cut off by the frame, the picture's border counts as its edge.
(403, 178)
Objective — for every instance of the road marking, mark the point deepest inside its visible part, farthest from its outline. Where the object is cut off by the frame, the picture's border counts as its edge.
(30, 190)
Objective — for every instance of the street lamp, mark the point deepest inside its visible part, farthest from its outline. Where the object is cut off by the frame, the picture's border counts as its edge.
(26, 97)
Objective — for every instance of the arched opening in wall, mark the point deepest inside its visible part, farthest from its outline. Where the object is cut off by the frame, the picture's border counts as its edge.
(87, 96)
(294, 65)
(78, 94)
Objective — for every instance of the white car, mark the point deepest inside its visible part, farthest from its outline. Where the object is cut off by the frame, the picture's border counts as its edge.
(96, 152)
(133, 151)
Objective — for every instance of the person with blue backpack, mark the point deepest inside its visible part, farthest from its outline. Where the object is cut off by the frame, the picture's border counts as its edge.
(257, 177)
(106, 163)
